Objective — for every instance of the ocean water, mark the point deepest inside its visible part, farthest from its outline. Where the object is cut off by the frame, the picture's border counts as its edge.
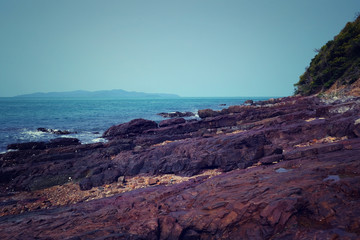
(20, 118)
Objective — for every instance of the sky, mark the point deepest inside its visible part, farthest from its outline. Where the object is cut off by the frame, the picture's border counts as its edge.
(193, 48)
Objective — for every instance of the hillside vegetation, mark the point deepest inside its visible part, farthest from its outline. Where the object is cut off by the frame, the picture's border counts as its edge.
(337, 64)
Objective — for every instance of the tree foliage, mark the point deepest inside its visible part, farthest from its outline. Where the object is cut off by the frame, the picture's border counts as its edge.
(337, 61)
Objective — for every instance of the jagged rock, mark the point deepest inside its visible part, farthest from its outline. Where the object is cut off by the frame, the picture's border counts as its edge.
(55, 131)
(176, 114)
(256, 203)
(260, 202)
(133, 127)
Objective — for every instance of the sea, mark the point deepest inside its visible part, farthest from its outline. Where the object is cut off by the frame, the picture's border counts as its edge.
(89, 118)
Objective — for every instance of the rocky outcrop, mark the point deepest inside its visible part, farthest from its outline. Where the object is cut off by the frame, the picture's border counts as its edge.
(249, 102)
(55, 131)
(228, 141)
(169, 122)
(53, 143)
(204, 113)
(273, 155)
(131, 128)
(296, 199)
(176, 114)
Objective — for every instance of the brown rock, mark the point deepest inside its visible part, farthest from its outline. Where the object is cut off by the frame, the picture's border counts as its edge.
(208, 113)
(153, 181)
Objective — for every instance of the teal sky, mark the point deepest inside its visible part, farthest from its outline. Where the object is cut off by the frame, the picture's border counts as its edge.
(204, 48)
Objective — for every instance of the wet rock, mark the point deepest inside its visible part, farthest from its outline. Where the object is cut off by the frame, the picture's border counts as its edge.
(53, 143)
(27, 146)
(249, 102)
(176, 114)
(55, 131)
(208, 113)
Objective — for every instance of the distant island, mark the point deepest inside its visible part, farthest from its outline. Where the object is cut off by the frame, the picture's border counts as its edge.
(116, 93)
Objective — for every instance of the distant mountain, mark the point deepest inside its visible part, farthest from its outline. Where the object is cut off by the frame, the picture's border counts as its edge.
(117, 93)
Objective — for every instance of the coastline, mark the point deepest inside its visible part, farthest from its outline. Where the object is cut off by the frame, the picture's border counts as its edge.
(23, 116)
(268, 159)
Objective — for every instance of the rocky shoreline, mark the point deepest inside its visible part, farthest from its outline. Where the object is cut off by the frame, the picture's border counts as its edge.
(285, 168)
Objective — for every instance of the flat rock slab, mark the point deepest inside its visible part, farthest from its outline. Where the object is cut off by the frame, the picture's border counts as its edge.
(256, 203)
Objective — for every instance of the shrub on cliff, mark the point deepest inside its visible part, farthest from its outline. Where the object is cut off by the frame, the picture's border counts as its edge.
(338, 61)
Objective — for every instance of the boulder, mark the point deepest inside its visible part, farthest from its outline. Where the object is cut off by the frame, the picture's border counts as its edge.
(153, 181)
(208, 113)
(249, 102)
(132, 128)
(176, 114)
(85, 184)
(55, 131)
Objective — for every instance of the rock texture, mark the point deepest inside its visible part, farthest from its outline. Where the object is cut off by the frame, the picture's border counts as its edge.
(290, 169)
(176, 114)
(55, 131)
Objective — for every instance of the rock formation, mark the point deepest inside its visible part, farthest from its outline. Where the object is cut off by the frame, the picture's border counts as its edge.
(176, 114)
(286, 168)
